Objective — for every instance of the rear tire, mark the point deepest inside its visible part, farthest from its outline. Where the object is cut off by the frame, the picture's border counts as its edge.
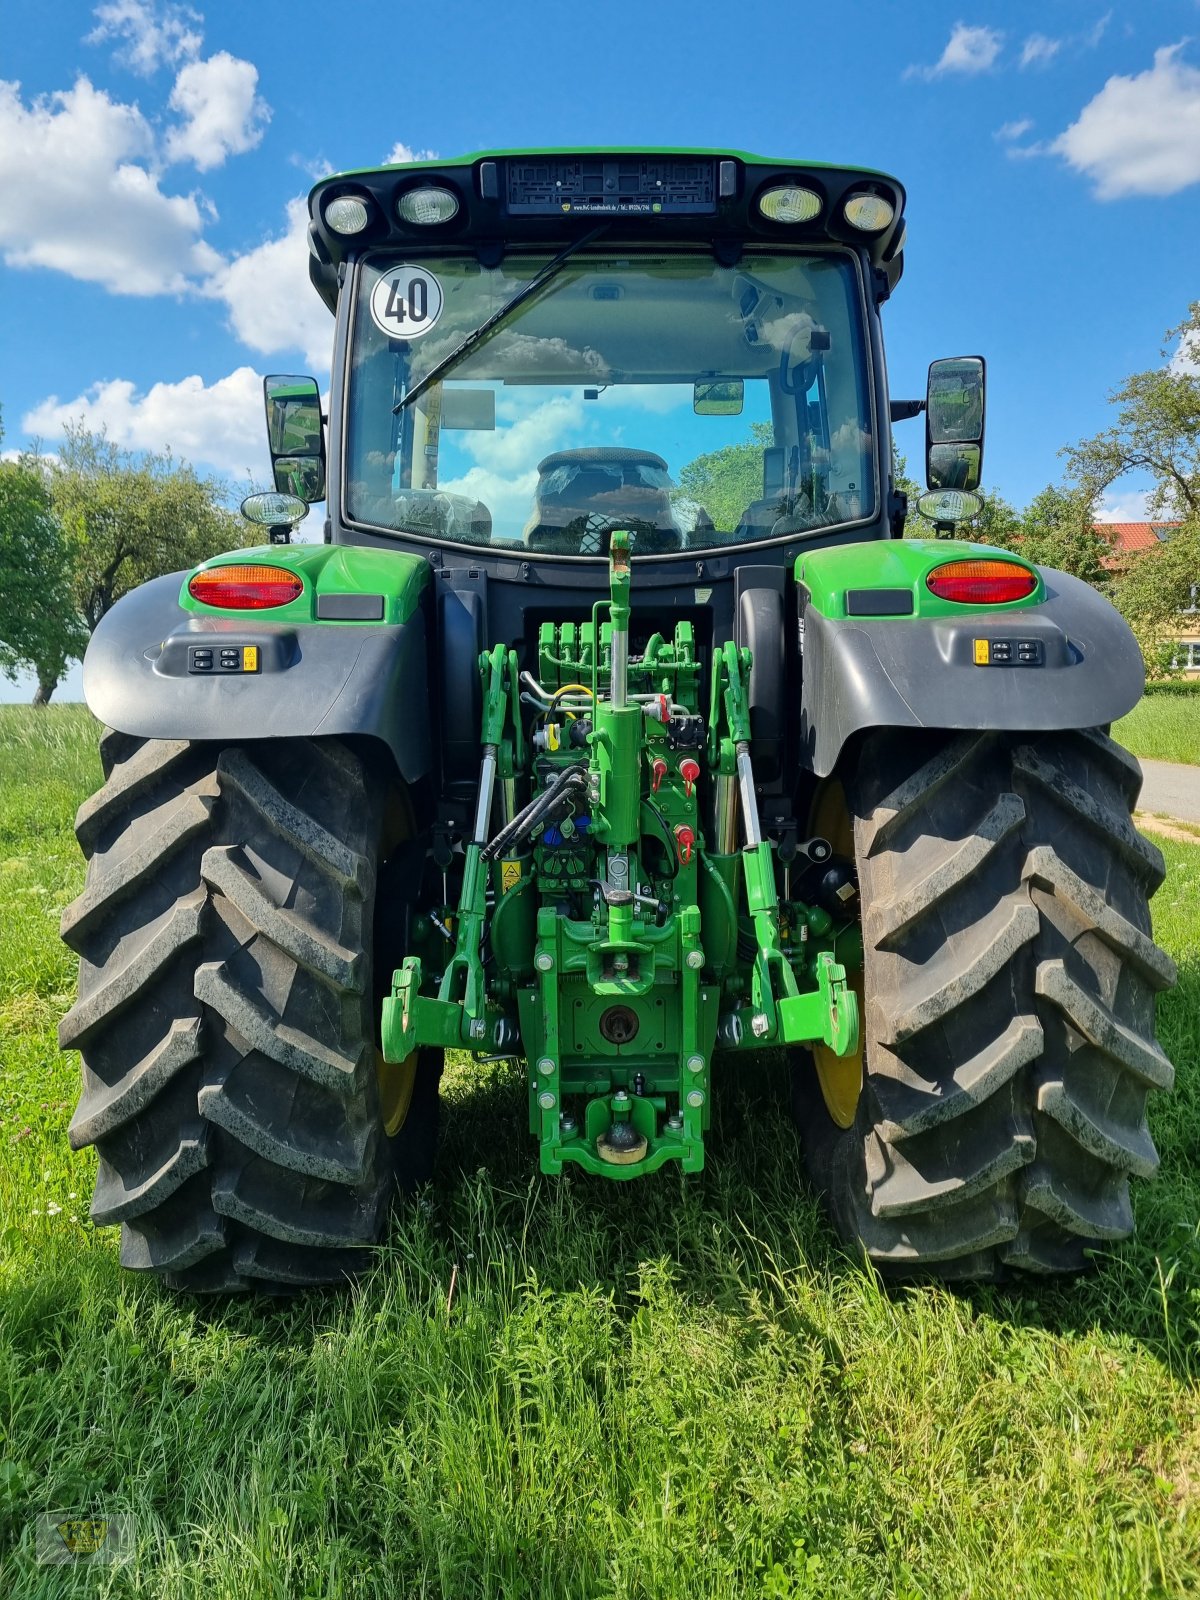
(227, 1015)
(1009, 1022)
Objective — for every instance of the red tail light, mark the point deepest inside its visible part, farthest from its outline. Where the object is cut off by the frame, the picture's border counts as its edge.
(245, 588)
(982, 583)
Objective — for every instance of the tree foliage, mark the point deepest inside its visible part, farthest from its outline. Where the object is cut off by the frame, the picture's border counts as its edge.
(129, 518)
(39, 626)
(1157, 431)
(726, 481)
(1156, 587)
(1058, 529)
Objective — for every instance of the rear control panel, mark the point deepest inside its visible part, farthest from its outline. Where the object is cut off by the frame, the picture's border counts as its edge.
(208, 659)
(1010, 653)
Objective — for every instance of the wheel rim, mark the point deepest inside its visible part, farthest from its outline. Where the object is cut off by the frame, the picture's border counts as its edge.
(396, 1080)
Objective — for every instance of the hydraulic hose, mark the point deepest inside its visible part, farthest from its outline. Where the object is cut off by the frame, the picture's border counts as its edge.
(524, 821)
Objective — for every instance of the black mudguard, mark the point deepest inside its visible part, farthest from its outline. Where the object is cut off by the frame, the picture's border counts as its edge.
(862, 673)
(314, 680)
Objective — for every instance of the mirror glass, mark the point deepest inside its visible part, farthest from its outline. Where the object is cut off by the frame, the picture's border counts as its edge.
(295, 435)
(473, 409)
(302, 476)
(953, 466)
(719, 399)
(954, 401)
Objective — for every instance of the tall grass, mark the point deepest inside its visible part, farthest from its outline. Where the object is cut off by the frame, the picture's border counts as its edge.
(673, 1388)
(1163, 727)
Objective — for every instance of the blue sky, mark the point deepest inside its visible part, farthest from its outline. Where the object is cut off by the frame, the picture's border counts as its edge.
(153, 161)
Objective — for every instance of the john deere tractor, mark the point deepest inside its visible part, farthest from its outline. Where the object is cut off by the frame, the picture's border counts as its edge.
(612, 726)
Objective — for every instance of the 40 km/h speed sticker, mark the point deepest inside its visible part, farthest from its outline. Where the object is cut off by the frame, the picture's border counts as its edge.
(406, 302)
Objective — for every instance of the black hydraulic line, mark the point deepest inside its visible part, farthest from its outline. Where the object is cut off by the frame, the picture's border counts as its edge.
(668, 838)
(524, 821)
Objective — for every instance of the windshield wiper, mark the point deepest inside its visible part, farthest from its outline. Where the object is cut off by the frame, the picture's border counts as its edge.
(525, 292)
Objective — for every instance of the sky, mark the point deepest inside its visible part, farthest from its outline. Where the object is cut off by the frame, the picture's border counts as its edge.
(154, 161)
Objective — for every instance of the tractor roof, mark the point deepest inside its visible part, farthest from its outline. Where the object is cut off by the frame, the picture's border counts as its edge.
(504, 198)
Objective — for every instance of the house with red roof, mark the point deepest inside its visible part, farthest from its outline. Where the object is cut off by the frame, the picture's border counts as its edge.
(1128, 539)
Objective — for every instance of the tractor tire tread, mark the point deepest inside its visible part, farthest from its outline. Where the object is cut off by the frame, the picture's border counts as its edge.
(225, 1016)
(1009, 1017)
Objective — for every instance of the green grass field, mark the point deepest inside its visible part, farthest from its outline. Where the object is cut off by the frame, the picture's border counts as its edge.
(671, 1389)
(1163, 727)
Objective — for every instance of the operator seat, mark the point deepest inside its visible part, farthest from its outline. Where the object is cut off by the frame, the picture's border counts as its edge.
(580, 494)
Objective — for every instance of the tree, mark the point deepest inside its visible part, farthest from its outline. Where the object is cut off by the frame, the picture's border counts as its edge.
(1157, 431)
(1058, 529)
(1157, 586)
(129, 518)
(726, 481)
(39, 626)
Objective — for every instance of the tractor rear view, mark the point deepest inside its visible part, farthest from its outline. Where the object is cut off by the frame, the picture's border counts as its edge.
(613, 727)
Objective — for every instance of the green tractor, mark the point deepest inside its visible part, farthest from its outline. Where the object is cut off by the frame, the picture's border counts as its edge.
(613, 727)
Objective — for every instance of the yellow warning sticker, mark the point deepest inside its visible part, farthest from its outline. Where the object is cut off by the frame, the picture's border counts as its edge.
(510, 875)
(983, 653)
(249, 658)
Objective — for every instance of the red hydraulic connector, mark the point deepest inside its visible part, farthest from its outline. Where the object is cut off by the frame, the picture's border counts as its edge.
(657, 773)
(689, 771)
(685, 838)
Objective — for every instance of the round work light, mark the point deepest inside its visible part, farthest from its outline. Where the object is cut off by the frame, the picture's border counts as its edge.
(790, 203)
(347, 214)
(427, 206)
(870, 213)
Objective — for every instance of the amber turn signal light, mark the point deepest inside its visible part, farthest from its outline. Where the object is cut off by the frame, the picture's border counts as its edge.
(982, 583)
(245, 588)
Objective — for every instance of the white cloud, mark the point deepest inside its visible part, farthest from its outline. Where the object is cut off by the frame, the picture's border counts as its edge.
(968, 51)
(1039, 50)
(547, 426)
(80, 194)
(272, 304)
(508, 496)
(218, 426)
(1013, 130)
(152, 37)
(1185, 361)
(223, 112)
(1094, 35)
(402, 154)
(1128, 506)
(1139, 135)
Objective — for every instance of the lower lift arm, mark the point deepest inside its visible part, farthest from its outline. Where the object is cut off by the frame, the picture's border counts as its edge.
(781, 1014)
(457, 1019)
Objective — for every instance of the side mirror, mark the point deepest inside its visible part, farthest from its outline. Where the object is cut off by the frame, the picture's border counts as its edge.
(295, 436)
(954, 416)
(724, 399)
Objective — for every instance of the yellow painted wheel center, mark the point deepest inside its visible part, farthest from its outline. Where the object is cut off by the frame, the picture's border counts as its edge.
(840, 1077)
(396, 1079)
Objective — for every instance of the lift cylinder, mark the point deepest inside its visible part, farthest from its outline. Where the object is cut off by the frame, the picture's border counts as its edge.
(617, 761)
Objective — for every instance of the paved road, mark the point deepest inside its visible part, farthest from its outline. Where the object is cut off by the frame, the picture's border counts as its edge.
(1170, 789)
